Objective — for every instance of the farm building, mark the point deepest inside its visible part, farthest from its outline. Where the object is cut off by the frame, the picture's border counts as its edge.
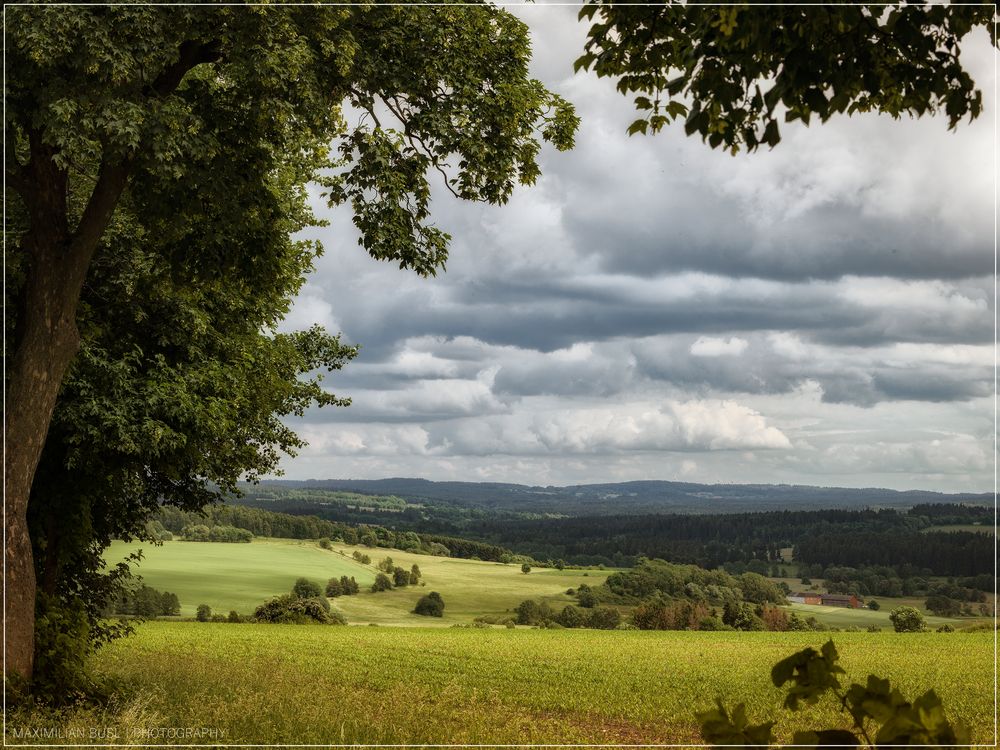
(840, 600)
(805, 597)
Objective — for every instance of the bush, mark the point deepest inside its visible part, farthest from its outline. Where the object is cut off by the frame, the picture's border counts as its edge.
(571, 617)
(525, 568)
(604, 618)
(234, 616)
(349, 586)
(334, 588)
(382, 583)
(907, 620)
(62, 645)
(292, 610)
(400, 577)
(305, 589)
(530, 612)
(874, 606)
(326, 544)
(361, 558)
(203, 613)
(430, 605)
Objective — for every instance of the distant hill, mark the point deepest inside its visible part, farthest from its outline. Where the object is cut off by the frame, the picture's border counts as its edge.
(634, 497)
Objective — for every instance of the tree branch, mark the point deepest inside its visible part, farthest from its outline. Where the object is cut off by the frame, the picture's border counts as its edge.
(191, 55)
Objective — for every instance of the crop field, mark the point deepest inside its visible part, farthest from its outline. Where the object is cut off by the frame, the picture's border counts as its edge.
(384, 685)
(241, 576)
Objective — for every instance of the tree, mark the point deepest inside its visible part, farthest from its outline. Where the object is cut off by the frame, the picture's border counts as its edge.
(731, 72)
(431, 605)
(530, 612)
(414, 574)
(334, 588)
(604, 618)
(400, 577)
(943, 606)
(873, 605)
(173, 144)
(203, 613)
(906, 620)
(525, 568)
(305, 589)
(572, 617)
(382, 583)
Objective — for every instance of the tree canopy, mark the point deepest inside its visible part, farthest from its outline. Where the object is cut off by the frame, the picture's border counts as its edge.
(158, 157)
(733, 72)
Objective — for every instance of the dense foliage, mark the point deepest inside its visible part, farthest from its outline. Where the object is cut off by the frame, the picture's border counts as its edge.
(431, 605)
(266, 523)
(157, 159)
(731, 72)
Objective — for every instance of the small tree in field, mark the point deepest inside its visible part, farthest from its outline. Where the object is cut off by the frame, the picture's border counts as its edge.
(907, 620)
(382, 583)
(525, 568)
(306, 589)
(400, 577)
(203, 613)
(334, 587)
(431, 605)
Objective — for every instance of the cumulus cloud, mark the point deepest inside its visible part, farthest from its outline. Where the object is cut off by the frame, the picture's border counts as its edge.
(651, 308)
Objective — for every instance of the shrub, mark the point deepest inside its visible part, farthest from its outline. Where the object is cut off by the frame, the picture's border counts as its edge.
(874, 606)
(326, 544)
(334, 587)
(234, 616)
(62, 645)
(604, 618)
(430, 605)
(530, 612)
(907, 620)
(382, 583)
(305, 589)
(349, 586)
(525, 568)
(414, 574)
(362, 558)
(290, 609)
(386, 565)
(203, 613)
(571, 617)
(400, 577)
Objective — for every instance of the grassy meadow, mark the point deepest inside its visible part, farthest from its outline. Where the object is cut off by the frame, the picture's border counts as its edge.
(313, 684)
(241, 576)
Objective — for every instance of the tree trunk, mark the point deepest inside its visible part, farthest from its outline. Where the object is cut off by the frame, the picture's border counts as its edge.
(45, 341)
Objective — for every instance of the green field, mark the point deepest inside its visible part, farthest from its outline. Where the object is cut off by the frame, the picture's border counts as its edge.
(975, 528)
(241, 576)
(314, 684)
(842, 617)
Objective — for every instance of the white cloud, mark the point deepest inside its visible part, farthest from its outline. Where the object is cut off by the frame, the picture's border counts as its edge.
(710, 346)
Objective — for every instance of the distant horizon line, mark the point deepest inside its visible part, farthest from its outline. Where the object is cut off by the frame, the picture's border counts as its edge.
(628, 481)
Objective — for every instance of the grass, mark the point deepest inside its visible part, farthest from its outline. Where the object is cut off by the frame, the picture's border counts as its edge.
(842, 617)
(273, 684)
(236, 576)
(975, 528)
(241, 576)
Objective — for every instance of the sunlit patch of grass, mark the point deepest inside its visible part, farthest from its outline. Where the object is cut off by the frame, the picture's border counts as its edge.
(314, 684)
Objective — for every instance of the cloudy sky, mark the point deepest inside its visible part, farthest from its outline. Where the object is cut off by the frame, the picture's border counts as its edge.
(652, 309)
